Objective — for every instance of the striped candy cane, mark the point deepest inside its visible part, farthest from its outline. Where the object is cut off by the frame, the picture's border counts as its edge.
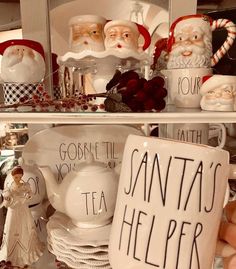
(231, 29)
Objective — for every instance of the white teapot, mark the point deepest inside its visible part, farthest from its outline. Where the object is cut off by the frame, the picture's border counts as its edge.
(86, 195)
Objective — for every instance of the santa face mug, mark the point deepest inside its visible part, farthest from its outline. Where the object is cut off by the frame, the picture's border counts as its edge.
(123, 35)
(184, 86)
(86, 33)
(190, 41)
(22, 61)
(169, 204)
(22, 69)
(218, 93)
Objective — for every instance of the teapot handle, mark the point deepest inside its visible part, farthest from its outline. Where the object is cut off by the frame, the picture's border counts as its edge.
(231, 34)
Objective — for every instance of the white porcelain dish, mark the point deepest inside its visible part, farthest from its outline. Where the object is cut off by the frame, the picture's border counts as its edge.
(60, 226)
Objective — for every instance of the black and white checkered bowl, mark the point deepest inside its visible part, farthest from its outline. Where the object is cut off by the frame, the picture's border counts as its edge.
(13, 92)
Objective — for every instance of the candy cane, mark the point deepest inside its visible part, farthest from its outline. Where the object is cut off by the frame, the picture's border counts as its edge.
(231, 29)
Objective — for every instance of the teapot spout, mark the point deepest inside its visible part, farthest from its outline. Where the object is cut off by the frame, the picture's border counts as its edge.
(52, 187)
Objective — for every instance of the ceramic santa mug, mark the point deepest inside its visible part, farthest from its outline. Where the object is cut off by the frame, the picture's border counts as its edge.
(86, 33)
(190, 41)
(22, 61)
(184, 86)
(218, 93)
(169, 204)
(22, 69)
(123, 35)
(199, 133)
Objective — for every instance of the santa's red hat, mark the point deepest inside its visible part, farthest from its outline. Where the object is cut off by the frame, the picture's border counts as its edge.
(22, 42)
(215, 81)
(204, 23)
(136, 27)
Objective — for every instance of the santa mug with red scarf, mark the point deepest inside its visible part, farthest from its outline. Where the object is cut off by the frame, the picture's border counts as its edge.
(190, 41)
(22, 61)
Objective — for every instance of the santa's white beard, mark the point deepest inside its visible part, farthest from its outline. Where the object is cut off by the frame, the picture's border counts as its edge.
(22, 69)
(86, 43)
(200, 57)
(217, 104)
(13, 60)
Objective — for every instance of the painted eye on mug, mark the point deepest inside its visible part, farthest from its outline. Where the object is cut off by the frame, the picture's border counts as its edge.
(126, 35)
(196, 36)
(211, 93)
(179, 38)
(227, 92)
(112, 35)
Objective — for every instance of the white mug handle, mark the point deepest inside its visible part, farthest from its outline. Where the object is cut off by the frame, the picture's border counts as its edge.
(227, 195)
(223, 134)
(232, 175)
(231, 34)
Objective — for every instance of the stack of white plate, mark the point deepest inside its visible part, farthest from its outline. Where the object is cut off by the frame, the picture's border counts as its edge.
(78, 247)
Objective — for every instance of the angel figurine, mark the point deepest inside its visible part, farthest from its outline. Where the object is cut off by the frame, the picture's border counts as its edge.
(20, 245)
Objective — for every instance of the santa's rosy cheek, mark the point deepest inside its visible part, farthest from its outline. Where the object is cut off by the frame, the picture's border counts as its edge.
(177, 44)
(28, 52)
(199, 43)
(97, 38)
(13, 52)
(227, 96)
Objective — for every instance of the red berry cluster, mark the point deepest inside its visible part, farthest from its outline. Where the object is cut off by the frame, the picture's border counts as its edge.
(138, 93)
(79, 103)
(8, 265)
(76, 104)
(42, 94)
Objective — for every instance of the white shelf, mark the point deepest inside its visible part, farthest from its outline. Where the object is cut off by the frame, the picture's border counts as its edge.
(169, 116)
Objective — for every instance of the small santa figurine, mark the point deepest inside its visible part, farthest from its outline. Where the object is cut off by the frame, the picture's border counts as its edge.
(124, 35)
(22, 61)
(218, 93)
(190, 42)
